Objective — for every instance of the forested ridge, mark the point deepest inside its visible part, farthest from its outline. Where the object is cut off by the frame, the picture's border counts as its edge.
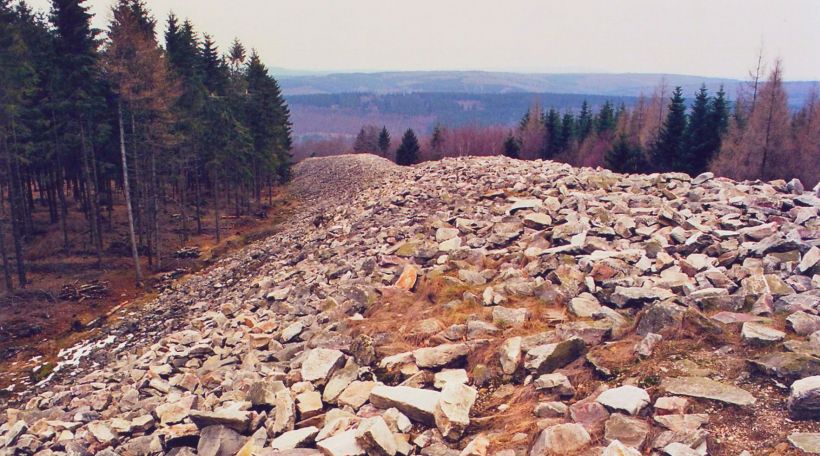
(754, 136)
(149, 116)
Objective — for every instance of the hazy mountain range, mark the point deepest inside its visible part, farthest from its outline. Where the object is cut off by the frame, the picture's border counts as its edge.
(339, 103)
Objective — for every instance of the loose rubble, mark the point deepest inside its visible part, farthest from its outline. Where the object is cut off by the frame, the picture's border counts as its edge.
(470, 306)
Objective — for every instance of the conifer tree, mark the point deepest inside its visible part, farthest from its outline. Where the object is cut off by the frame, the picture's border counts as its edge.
(552, 142)
(367, 141)
(567, 131)
(605, 120)
(718, 123)
(584, 121)
(624, 157)
(237, 54)
(15, 81)
(668, 147)
(408, 152)
(384, 141)
(696, 151)
(437, 141)
(268, 121)
(512, 148)
(81, 92)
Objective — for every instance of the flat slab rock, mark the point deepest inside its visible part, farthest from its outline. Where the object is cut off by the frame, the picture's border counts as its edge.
(627, 398)
(418, 404)
(806, 441)
(706, 388)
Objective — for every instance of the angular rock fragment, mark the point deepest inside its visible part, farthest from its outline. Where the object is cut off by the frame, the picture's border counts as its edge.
(452, 413)
(375, 437)
(627, 398)
(549, 357)
(702, 387)
(440, 356)
(294, 439)
(804, 399)
(320, 363)
(418, 404)
(560, 439)
(760, 335)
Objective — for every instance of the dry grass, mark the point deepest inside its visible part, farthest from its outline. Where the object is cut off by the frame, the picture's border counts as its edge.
(688, 351)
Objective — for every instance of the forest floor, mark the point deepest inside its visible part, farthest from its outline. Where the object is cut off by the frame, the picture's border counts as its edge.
(68, 297)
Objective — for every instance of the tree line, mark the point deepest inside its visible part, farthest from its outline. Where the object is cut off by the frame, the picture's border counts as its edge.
(754, 136)
(167, 126)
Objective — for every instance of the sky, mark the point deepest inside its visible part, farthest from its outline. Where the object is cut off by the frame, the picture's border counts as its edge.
(720, 38)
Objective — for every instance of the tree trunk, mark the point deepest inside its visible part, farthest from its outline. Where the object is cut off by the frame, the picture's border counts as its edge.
(93, 219)
(60, 185)
(183, 189)
(6, 265)
(138, 188)
(216, 210)
(155, 209)
(198, 190)
(127, 190)
(15, 203)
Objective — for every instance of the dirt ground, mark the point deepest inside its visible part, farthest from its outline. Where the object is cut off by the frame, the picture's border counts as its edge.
(36, 322)
(761, 428)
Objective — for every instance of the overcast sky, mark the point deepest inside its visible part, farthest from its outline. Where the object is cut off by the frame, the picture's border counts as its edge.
(703, 37)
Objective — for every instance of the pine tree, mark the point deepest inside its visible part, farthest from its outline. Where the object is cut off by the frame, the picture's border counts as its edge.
(696, 151)
(408, 152)
(584, 121)
(552, 142)
(512, 148)
(624, 157)
(82, 95)
(718, 124)
(268, 119)
(237, 54)
(605, 120)
(214, 69)
(367, 141)
(384, 141)
(15, 82)
(668, 147)
(567, 131)
(437, 141)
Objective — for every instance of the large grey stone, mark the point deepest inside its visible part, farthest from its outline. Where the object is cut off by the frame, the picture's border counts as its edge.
(804, 399)
(544, 359)
(418, 404)
(706, 388)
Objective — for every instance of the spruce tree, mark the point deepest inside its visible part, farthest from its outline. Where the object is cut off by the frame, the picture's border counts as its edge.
(624, 157)
(584, 121)
(81, 93)
(15, 81)
(696, 151)
(567, 131)
(605, 120)
(552, 143)
(718, 124)
(367, 140)
(437, 141)
(214, 69)
(408, 152)
(512, 148)
(384, 141)
(667, 149)
(267, 119)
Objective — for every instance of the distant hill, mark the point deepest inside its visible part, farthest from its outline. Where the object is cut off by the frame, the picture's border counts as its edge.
(485, 82)
(340, 103)
(321, 115)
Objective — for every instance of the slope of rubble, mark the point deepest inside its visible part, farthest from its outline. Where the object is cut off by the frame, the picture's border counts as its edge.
(468, 307)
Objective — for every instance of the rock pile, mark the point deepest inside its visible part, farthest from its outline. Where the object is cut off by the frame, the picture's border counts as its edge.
(470, 307)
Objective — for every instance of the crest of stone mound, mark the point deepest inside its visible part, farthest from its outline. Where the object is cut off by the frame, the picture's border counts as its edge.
(470, 306)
